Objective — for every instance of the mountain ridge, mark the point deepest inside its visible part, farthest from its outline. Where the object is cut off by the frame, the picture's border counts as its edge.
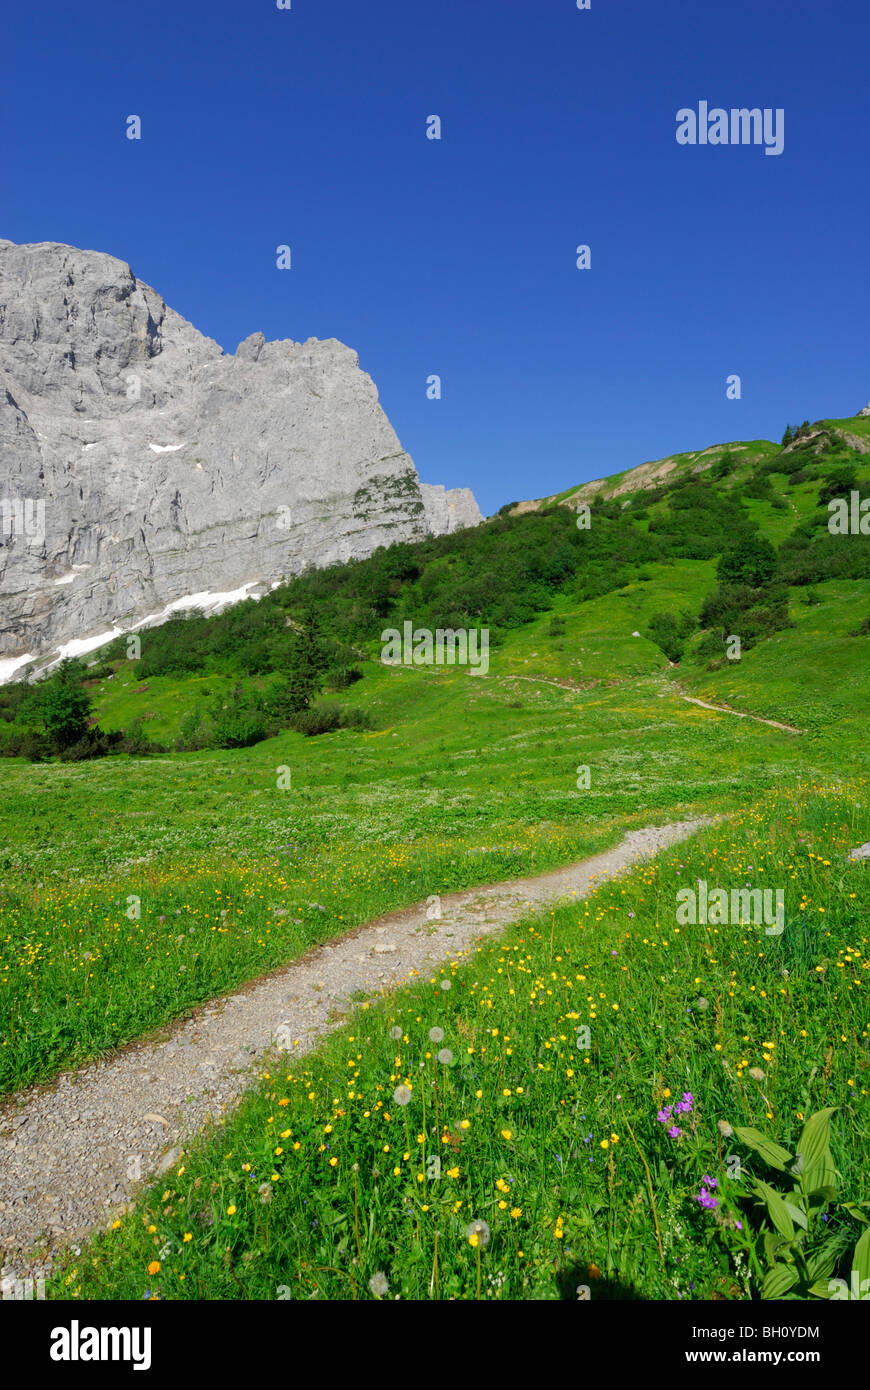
(654, 472)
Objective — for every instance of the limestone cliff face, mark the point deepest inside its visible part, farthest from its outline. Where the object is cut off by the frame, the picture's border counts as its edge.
(140, 464)
(449, 509)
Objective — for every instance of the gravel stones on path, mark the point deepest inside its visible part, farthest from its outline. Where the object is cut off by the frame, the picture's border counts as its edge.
(73, 1154)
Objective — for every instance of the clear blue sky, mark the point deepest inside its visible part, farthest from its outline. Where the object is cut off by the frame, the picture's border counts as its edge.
(308, 127)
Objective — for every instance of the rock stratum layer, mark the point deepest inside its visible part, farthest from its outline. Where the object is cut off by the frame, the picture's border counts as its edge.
(140, 464)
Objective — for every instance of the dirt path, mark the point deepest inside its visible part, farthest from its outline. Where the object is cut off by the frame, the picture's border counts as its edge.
(738, 714)
(73, 1154)
(577, 686)
(692, 700)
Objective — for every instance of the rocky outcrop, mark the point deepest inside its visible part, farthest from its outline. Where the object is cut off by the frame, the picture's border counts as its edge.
(449, 509)
(140, 464)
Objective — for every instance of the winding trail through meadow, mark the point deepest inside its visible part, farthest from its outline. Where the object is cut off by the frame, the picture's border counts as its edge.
(73, 1154)
(739, 714)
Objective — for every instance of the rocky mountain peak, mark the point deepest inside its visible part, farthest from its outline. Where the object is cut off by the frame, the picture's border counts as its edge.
(140, 464)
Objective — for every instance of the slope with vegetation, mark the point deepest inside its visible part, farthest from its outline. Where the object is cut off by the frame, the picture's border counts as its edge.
(239, 841)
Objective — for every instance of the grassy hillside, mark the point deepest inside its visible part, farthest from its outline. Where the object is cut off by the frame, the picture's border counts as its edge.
(237, 840)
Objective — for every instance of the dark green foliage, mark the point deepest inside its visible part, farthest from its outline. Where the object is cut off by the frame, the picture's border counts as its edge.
(750, 613)
(725, 464)
(64, 707)
(758, 485)
(249, 638)
(698, 517)
(839, 483)
(94, 743)
(812, 554)
(53, 719)
(326, 717)
(501, 575)
(342, 677)
(237, 721)
(669, 631)
(136, 742)
(751, 560)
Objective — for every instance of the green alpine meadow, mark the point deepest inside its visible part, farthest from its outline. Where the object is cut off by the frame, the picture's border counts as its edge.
(612, 1096)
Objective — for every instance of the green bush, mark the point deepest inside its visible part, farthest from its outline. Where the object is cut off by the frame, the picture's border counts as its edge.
(751, 561)
(669, 630)
(326, 717)
(64, 707)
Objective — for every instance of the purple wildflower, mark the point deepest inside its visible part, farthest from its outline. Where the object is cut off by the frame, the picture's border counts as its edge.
(705, 1200)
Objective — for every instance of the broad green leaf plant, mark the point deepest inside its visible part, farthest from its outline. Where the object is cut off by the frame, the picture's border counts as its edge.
(799, 1245)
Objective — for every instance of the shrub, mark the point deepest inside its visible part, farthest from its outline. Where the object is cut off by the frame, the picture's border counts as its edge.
(323, 718)
(839, 483)
(136, 742)
(326, 717)
(64, 707)
(35, 746)
(751, 560)
(669, 630)
(94, 743)
(341, 677)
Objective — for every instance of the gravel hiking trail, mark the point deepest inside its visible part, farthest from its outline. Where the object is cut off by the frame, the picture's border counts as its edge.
(74, 1153)
(738, 714)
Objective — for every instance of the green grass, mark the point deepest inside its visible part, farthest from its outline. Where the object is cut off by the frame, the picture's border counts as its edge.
(813, 675)
(465, 780)
(161, 702)
(324, 1178)
(136, 889)
(371, 822)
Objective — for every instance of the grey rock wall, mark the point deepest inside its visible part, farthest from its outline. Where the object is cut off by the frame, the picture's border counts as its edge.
(140, 464)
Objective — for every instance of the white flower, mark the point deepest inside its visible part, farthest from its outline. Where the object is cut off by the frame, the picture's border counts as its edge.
(436, 1034)
(378, 1284)
(402, 1095)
